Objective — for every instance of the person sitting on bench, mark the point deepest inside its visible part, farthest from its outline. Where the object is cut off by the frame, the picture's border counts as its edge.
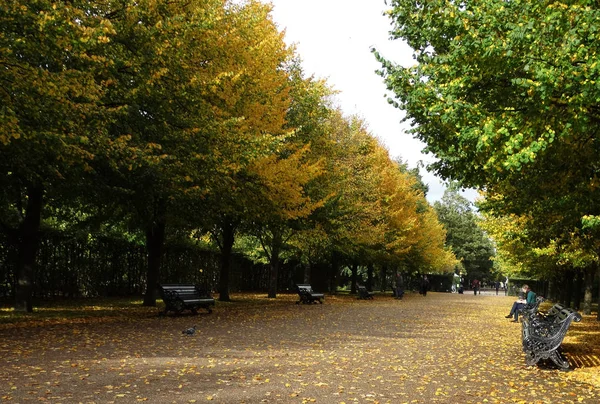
(526, 296)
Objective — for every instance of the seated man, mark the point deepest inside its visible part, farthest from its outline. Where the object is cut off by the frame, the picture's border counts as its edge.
(526, 296)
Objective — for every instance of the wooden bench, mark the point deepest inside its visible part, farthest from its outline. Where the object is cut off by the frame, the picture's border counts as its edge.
(180, 297)
(307, 295)
(363, 293)
(543, 334)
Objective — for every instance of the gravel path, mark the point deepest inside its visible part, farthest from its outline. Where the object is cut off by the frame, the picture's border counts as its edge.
(442, 348)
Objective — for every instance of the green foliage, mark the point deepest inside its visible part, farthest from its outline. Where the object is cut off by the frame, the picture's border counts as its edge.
(463, 235)
(505, 95)
(497, 83)
(156, 119)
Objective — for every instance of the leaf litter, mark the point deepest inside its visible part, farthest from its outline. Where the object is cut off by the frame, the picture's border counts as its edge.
(443, 348)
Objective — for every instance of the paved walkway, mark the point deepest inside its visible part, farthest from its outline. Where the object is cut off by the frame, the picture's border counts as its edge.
(442, 348)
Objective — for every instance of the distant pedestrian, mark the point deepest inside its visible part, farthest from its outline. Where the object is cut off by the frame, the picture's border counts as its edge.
(497, 287)
(399, 286)
(424, 285)
(475, 284)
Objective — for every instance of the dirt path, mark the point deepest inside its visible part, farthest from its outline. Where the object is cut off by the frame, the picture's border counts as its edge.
(441, 348)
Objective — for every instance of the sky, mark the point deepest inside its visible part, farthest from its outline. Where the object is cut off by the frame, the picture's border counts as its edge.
(334, 40)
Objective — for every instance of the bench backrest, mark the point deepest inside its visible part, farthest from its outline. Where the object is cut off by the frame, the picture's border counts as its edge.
(566, 314)
(304, 288)
(181, 291)
(552, 328)
(554, 311)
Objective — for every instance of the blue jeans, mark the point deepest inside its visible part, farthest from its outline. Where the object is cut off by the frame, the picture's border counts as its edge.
(515, 309)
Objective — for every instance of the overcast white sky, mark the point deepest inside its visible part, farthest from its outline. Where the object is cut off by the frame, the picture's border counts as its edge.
(334, 39)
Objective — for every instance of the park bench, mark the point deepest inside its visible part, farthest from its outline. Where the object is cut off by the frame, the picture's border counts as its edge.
(543, 334)
(363, 293)
(531, 309)
(307, 295)
(180, 297)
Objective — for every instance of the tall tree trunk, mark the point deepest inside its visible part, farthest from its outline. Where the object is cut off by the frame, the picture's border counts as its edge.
(228, 238)
(577, 289)
(598, 275)
(354, 278)
(274, 263)
(590, 271)
(563, 290)
(155, 241)
(307, 269)
(370, 277)
(383, 276)
(334, 273)
(28, 243)
(569, 288)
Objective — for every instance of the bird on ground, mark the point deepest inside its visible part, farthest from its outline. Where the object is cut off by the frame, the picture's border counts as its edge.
(189, 331)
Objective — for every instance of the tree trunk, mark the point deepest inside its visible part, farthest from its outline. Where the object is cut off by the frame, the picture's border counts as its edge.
(228, 234)
(354, 278)
(155, 241)
(370, 277)
(274, 263)
(563, 289)
(598, 275)
(334, 273)
(28, 243)
(307, 269)
(568, 288)
(577, 289)
(589, 287)
(383, 276)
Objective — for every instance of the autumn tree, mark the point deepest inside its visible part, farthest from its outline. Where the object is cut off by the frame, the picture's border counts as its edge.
(250, 98)
(51, 116)
(309, 118)
(504, 94)
(284, 201)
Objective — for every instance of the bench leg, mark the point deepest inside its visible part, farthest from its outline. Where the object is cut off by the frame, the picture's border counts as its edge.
(530, 359)
(560, 361)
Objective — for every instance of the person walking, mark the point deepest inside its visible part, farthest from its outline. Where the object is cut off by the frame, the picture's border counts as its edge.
(497, 287)
(424, 285)
(399, 286)
(475, 284)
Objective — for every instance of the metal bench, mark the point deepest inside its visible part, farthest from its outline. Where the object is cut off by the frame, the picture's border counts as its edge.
(307, 295)
(180, 297)
(543, 334)
(531, 309)
(363, 293)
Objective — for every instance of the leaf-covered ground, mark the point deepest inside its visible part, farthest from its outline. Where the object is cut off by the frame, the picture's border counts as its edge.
(443, 348)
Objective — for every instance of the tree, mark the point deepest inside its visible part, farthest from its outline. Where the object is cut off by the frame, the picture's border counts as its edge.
(284, 201)
(52, 121)
(250, 98)
(463, 234)
(203, 95)
(497, 84)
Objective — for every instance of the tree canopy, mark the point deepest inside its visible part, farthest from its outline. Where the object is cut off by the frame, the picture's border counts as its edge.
(165, 119)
